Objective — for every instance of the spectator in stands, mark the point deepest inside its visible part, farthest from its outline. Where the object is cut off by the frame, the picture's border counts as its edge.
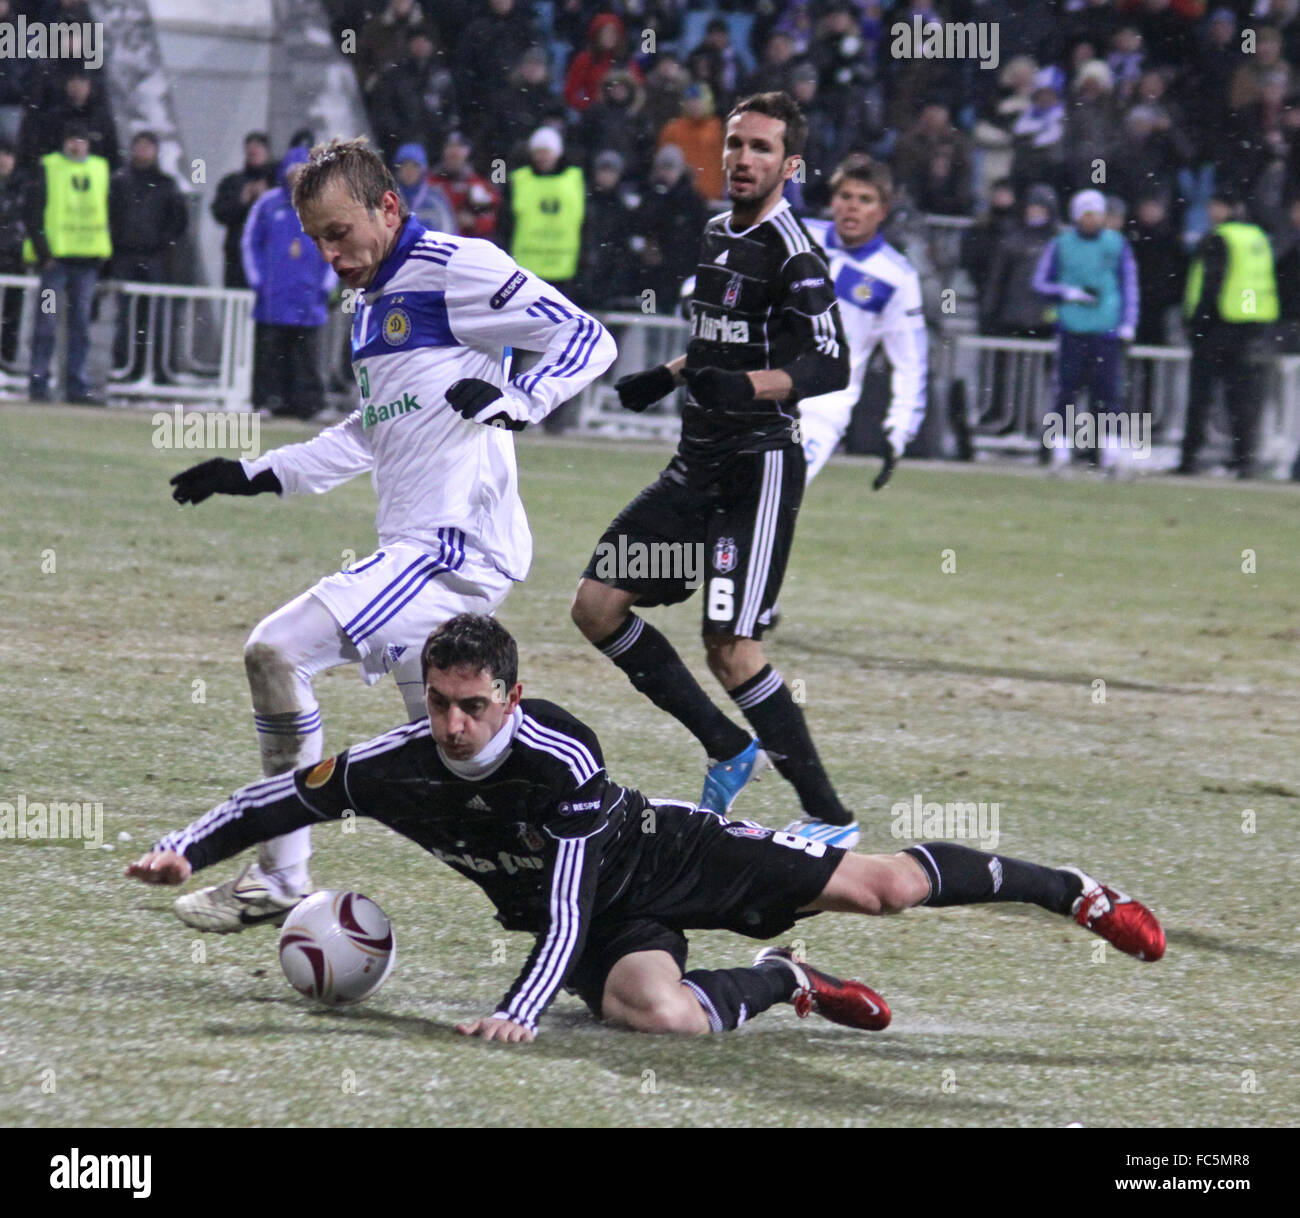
(1207, 80)
(415, 99)
(236, 194)
(1153, 154)
(616, 123)
(797, 21)
(992, 134)
(1092, 126)
(488, 50)
(1167, 34)
(67, 222)
(1095, 24)
(1009, 303)
(667, 229)
(542, 215)
(698, 132)
(292, 282)
(12, 234)
(1039, 133)
(933, 163)
(79, 101)
(1127, 61)
(473, 199)
(1161, 260)
(1255, 70)
(722, 67)
(775, 73)
(514, 109)
(147, 219)
(426, 201)
(384, 42)
(605, 275)
(664, 87)
(915, 82)
(15, 87)
(843, 117)
(1231, 298)
(606, 50)
(1089, 270)
(981, 240)
(1261, 161)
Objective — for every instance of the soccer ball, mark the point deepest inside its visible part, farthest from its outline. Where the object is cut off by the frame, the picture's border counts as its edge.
(337, 947)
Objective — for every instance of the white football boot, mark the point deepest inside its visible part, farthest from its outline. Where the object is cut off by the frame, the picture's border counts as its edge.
(247, 900)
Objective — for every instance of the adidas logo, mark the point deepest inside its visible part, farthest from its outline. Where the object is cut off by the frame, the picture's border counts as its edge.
(721, 259)
(478, 804)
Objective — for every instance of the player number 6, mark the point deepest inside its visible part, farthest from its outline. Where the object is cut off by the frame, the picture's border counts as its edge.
(720, 599)
(806, 844)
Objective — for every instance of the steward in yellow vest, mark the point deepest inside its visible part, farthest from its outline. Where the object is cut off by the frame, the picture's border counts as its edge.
(67, 225)
(1231, 298)
(545, 211)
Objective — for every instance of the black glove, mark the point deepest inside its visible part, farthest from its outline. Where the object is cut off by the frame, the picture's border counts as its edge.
(644, 389)
(220, 476)
(886, 470)
(470, 397)
(717, 387)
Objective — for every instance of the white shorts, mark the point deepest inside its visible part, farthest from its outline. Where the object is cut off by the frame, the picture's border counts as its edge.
(388, 602)
(823, 421)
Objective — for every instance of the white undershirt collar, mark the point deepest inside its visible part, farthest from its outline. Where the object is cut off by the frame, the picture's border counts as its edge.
(490, 756)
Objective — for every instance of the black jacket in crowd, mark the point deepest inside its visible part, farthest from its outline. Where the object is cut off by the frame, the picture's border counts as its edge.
(146, 215)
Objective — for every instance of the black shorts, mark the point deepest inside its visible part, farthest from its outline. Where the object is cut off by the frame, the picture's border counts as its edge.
(729, 530)
(700, 872)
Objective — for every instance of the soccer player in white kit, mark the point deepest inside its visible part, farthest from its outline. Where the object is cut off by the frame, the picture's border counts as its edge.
(879, 295)
(433, 315)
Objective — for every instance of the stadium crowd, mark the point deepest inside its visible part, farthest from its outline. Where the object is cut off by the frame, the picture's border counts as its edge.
(585, 138)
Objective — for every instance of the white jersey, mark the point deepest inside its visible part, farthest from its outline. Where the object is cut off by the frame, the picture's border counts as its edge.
(440, 308)
(879, 293)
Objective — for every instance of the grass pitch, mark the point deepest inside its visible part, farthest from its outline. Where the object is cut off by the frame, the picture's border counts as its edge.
(948, 638)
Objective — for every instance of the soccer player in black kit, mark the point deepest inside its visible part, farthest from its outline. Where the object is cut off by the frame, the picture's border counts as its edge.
(765, 332)
(512, 793)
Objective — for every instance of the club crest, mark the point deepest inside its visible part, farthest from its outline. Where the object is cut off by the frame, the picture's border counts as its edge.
(725, 553)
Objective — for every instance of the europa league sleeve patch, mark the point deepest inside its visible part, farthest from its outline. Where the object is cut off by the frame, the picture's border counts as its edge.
(320, 773)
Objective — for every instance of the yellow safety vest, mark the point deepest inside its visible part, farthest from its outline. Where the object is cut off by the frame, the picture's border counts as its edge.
(1249, 291)
(548, 212)
(76, 208)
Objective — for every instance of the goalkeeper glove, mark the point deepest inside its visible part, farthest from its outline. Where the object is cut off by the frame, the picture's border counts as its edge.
(717, 387)
(471, 398)
(220, 476)
(643, 389)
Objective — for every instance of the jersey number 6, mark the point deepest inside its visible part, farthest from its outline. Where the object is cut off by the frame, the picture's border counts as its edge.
(812, 849)
(721, 604)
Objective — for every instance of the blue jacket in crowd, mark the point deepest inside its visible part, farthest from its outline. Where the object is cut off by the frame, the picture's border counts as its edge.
(283, 266)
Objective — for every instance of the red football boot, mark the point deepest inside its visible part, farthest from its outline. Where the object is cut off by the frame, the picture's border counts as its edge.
(1118, 919)
(847, 1002)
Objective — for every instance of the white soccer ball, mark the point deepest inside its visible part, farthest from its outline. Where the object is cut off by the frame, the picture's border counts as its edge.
(337, 947)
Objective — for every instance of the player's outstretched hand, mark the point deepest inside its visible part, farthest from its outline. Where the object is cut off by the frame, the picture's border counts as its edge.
(494, 1028)
(220, 476)
(161, 867)
(642, 390)
(718, 387)
(473, 399)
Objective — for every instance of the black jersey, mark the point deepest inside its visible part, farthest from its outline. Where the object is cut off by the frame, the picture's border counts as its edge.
(546, 835)
(763, 300)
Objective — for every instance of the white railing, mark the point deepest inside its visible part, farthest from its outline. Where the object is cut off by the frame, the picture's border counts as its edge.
(197, 344)
(1010, 387)
(644, 340)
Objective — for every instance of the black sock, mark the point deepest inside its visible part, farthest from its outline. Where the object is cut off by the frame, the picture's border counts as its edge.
(654, 668)
(959, 875)
(779, 724)
(730, 996)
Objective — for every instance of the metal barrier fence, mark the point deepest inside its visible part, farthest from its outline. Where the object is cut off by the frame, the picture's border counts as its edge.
(644, 340)
(195, 344)
(1009, 387)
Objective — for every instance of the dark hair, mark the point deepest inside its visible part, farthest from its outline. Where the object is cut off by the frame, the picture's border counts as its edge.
(476, 642)
(361, 168)
(779, 106)
(148, 136)
(861, 168)
(258, 137)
